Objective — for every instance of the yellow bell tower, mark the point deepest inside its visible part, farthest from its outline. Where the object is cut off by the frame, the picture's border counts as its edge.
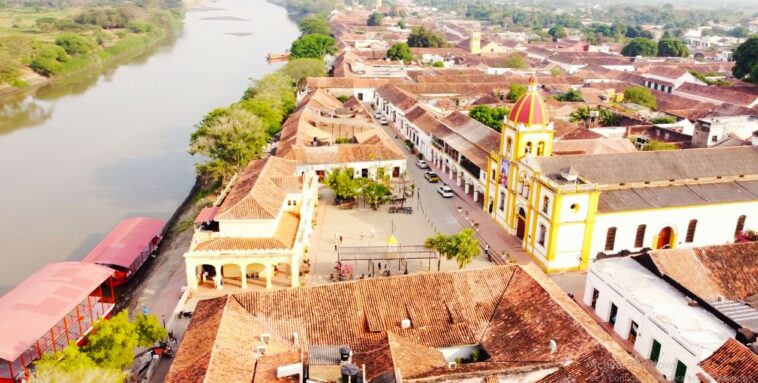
(527, 131)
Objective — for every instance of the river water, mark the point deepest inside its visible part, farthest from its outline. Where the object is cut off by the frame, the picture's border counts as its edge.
(75, 159)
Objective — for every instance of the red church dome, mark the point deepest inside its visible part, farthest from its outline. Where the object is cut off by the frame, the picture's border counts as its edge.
(529, 109)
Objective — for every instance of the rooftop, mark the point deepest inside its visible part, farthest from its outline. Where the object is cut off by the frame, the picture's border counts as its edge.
(510, 312)
(663, 303)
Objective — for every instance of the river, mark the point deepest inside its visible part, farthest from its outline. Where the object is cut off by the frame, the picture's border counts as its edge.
(75, 159)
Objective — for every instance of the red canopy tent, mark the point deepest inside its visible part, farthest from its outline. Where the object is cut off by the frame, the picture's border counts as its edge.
(56, 305)
(127, 246)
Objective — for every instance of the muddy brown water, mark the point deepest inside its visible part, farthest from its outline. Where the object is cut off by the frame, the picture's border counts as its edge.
(77, 158)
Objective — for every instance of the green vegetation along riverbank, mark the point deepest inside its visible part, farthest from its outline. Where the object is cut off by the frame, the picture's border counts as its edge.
(43, 45)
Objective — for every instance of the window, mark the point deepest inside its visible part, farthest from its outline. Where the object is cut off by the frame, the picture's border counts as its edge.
(574, 207)
(740, 225)
(545, 204)
(639, 240)
(595, 296)
(614, 314)
(691, 231)
(508, 144)
(528, 148)
(541, 148)
(542, 234)
(655, 351)
(633, 329)
(714, 138)
(502, 201)
(494, 174)
(610, 239)
(681, 371)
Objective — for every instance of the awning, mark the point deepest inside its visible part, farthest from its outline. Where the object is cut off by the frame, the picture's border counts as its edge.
(38, 303)
(125, 242)
(207, 214)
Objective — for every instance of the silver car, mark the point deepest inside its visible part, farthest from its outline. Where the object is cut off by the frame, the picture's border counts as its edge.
(445, 191)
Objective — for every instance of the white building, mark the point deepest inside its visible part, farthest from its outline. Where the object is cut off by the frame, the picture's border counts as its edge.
(656, 319)
(713, 131)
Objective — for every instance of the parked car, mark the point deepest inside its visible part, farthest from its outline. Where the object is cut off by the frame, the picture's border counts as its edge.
(377, 114)
(445, 191)
(383, 121)
(431, 177)
(422, 164)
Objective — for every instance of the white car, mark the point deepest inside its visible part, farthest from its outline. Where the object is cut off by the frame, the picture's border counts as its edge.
(377, 114)
(422, 164)
(383, 121)
(445, 191)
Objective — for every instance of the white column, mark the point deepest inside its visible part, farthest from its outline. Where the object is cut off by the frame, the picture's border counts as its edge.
(458, 180)
(243, 276)
(269, 274)
(191, 270)
(466, 187)
(476, 195)
(295, 273)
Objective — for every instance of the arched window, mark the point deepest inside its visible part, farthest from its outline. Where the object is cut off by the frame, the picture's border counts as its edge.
(502, 201)
(639, 240)
(542, 234)
(541, 148)
(691, 231)
(610, 239)
(528, 148)
(740, 225)
(508, 144)
(545, 204)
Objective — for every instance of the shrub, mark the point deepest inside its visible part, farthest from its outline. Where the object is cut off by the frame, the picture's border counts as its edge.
(9, 68)
(641, 96)
(48, 60)
(75, 44)
(139, 27)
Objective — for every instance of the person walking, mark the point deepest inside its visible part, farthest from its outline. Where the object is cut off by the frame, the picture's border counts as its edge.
(340, 240)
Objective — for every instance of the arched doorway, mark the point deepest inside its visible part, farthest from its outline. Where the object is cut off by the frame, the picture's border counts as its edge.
(665, 237)
(206, 275)
(521, 223)
(255, 274)
(231, 275)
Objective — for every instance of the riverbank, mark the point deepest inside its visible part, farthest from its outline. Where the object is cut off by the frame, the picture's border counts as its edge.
(51, 48)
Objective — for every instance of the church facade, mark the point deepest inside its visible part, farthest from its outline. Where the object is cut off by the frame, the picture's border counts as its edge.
(569, 209)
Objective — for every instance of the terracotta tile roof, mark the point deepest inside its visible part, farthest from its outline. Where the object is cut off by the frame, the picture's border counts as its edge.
(732, 362)
(397, 97)
(284, 238)
(265, 368)
(576, 371)
(423, 119)
(260, 190)
(719, 93)
(723, 270)
(349, 83)
(666, 71)
(512, 312)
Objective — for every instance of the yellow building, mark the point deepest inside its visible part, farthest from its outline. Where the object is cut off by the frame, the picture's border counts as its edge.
(569, 209)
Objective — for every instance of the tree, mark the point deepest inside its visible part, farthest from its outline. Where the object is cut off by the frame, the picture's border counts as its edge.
(641, 96)
(312, 46)
(401, 24)
(229, 139)
(48, 59)
(374, 192)
(490, 116)
(558, 32)
(672, 48)
(314, 24)
(400, 51)
(637, 31)
(739, 31)
(75, 44)
(515, 92)
(573, 95)
(300, 69)
(9, 68)
(343, 184)
(555, 71)
(609, 118)
(375, 19)
(149, 330)
(746, 60)
(462, 247)
(420, 37)
(112, 342)
(71, 365)
(640, 46)
(516, 61)
(465, 247)
(276, 89)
